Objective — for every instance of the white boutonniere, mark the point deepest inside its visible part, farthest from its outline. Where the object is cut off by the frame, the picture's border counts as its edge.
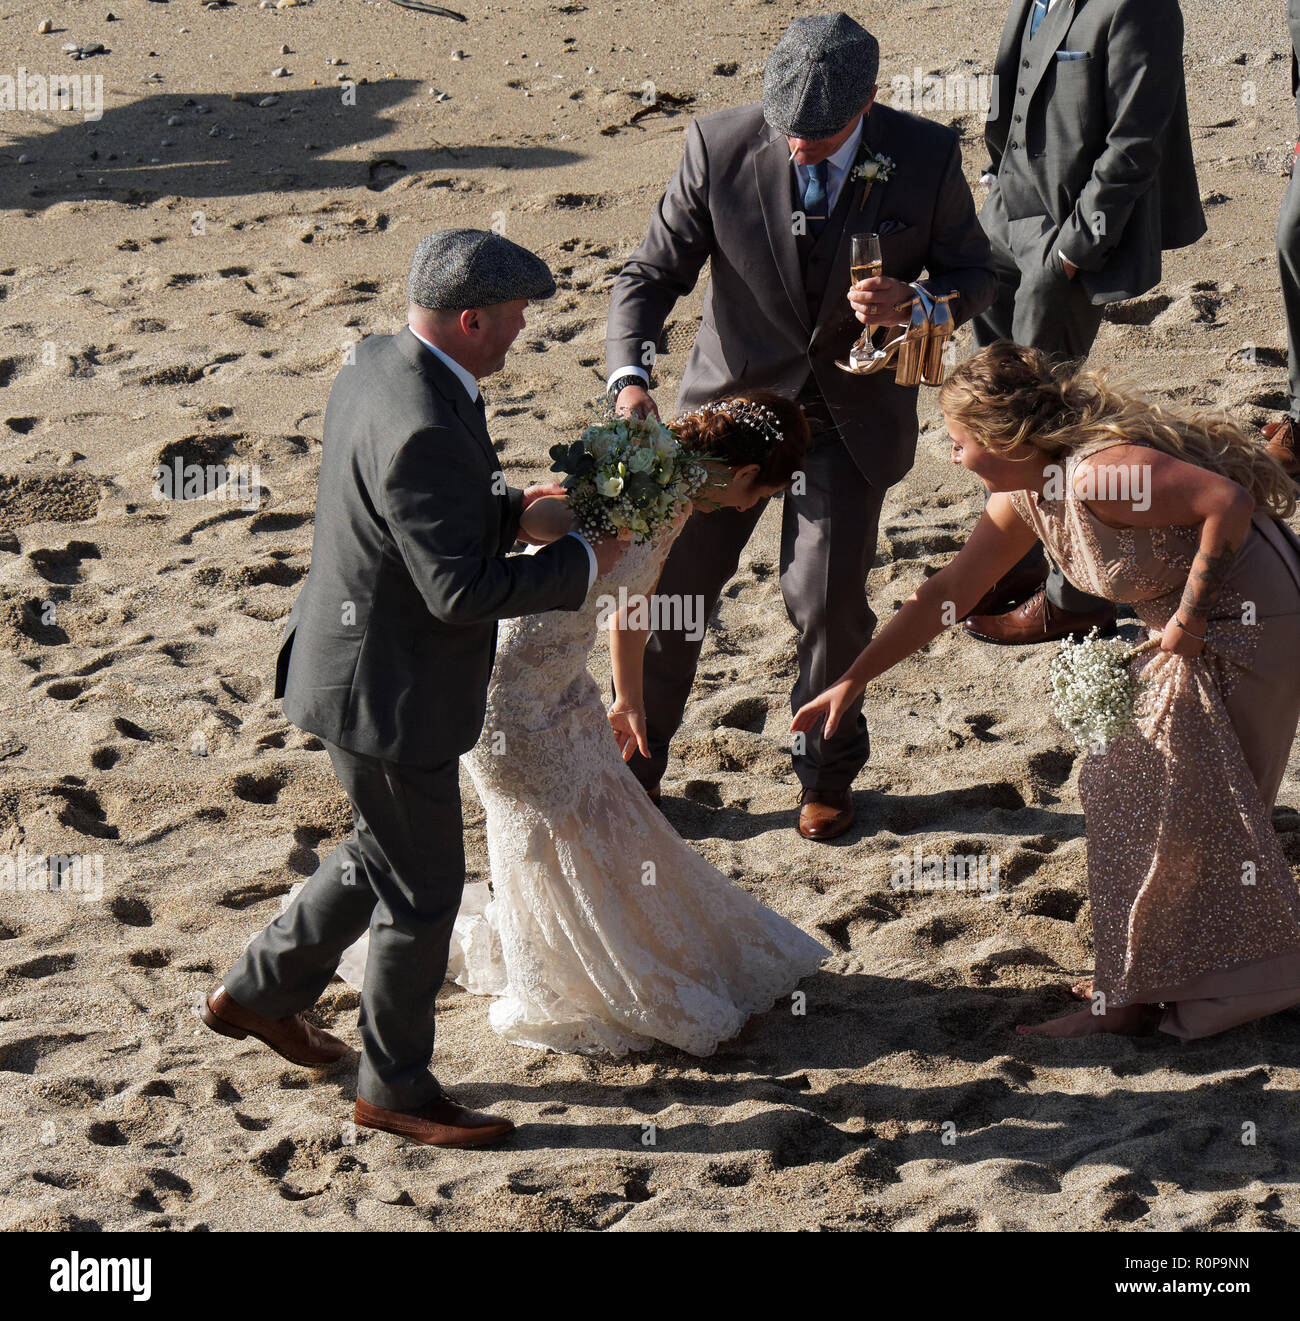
(872, 168)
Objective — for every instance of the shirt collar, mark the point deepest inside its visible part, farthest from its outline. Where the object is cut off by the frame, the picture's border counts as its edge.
(464, 377)
(843, 158)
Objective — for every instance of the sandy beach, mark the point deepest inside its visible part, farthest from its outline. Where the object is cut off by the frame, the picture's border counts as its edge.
(179, 280)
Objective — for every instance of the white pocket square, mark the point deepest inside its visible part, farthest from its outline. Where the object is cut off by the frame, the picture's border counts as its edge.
(1071, 54)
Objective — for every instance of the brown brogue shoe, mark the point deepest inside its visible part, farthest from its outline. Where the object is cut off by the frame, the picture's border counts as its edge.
(1011, 589)
(294, 1038)
(440, 1123)
(1280, 441)
(824, 814)
(1038, 620)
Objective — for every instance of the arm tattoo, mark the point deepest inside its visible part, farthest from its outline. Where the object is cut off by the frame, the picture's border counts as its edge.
(1206, 579)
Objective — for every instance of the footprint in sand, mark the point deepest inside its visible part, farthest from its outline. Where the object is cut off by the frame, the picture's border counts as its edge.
(63, 564)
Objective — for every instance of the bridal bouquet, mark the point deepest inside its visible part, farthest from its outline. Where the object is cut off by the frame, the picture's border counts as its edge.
(1094, 693)
(627, 475)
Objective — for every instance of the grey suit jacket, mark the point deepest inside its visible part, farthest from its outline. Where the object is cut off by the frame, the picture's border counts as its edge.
(389, 647)
(1106, 137)
(731, 203)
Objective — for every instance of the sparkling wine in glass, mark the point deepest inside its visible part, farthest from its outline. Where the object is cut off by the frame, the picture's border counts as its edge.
(864, 261)
(864, 257)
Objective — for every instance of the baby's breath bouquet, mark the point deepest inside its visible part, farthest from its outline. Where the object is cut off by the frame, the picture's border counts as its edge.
(1094, 693)
(627, 475)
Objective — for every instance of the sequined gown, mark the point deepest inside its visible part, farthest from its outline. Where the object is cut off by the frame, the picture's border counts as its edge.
(604, 930)
(1193, 902)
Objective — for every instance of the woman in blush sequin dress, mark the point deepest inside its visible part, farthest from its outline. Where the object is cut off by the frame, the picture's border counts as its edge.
(1195, 912)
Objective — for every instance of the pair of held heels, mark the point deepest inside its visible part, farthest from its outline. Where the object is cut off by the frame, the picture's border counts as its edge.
(917, 354)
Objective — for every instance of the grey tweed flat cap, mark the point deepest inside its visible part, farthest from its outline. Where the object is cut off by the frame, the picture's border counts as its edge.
(819, 75)
(458, 268)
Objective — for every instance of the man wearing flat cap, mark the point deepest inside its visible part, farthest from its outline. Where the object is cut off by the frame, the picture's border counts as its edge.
(770, 195)
(386, 658)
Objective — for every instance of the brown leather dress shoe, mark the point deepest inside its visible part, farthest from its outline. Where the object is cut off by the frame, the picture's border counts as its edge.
(1281, 440)
(1011, 589)
(440, 1123)
(296, 1039)
(825, 815)
(1038, 620)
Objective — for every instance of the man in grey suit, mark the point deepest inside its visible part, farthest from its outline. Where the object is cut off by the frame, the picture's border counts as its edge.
(770, 195)
(387, 656)
(1092, 156)
(1281, 435)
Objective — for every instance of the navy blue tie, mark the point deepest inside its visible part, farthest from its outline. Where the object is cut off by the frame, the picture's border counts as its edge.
(1040, 13)
(815, 199)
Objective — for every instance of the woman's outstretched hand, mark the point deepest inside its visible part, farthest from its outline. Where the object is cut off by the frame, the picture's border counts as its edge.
(830, 706)
(628, 723)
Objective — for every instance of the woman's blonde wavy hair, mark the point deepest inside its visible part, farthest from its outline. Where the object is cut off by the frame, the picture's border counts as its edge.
(1008, 395)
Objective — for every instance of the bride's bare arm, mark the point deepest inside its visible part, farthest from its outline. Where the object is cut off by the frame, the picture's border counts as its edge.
(627, 639)
(546, 519)
(999, 540)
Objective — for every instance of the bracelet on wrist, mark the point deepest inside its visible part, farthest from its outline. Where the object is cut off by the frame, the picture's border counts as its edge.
(1179, 622)
(621, 383)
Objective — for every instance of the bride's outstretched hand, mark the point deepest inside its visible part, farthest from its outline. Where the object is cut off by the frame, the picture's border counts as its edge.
(628, 723)
(830, 706)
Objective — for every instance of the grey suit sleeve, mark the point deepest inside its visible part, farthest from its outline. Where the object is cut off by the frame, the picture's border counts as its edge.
(510, 530)
(439, 534)
(1144, 74)
(668, 262)
(959, 256)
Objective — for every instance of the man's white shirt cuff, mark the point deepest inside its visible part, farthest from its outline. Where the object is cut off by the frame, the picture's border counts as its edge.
(628, 371)
(593, 567)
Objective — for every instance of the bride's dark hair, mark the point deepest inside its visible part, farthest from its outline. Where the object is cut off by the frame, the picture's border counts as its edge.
(731, 433)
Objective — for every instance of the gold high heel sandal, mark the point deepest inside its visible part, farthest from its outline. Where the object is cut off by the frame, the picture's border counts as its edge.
(917, 354)
(866, 356)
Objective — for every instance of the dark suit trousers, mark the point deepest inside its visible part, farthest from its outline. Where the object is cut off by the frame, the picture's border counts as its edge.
(828, 544)
(400, 874)
(1043, 309)
(1288, 260)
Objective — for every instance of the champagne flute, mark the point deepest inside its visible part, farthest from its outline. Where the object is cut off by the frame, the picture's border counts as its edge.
(865, 261)
(866, 356)
(864, 257)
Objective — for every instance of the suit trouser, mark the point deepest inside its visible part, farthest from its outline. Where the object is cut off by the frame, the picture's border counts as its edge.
(400, 874)
(1043, 309)
(828, 544)
(1288, 260)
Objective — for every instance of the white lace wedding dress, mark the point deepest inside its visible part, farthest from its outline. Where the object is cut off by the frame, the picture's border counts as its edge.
(604, 930)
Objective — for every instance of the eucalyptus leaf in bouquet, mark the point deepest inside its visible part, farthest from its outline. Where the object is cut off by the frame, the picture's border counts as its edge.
(1095, 693)
(627, 476)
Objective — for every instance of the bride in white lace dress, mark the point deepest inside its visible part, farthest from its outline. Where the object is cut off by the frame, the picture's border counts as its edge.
(605, 931)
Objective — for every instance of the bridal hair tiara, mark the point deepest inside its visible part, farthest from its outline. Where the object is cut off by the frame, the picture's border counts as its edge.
(756, 418)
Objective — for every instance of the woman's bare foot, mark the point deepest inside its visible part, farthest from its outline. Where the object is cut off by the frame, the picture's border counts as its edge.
(1082, 990)
(1128, 1020)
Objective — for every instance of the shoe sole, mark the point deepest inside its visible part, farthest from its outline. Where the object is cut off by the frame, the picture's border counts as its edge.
(227, 1029)
(1077, 634)
(413, 1137)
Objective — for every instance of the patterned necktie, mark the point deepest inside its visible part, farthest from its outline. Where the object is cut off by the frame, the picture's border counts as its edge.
(815, 199)
(1040, 13)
